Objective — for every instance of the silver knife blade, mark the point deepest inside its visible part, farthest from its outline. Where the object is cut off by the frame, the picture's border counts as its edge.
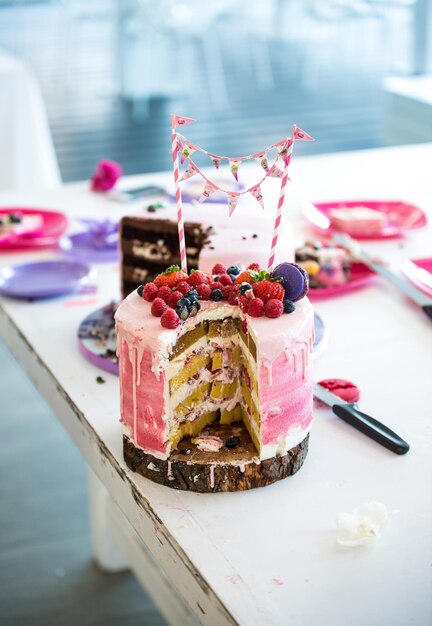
(327, 396)
(409, 290)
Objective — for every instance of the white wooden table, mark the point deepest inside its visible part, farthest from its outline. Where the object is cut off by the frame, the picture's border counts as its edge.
(267, 556)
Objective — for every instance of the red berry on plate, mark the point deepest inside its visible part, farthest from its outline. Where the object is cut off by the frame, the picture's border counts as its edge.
(173, 298)
(158, 307)
(149, 292)
(268, 290)
(198, 278)
(254, 266)
(218, 269)
(170, 319)
(164, 293)
(225, 280)
(203, 292)
(256, 307)
(183, 287)
(274, 308)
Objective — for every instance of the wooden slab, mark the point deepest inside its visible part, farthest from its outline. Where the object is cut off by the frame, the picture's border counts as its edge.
(235, 469)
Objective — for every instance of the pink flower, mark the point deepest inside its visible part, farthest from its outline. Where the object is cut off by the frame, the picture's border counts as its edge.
(106, 175)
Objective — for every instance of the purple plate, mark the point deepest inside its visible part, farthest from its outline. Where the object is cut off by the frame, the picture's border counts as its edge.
(44, 279)
(97, 339)
(84, 246)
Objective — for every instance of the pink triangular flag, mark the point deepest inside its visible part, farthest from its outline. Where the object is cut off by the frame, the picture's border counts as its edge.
(233, 198)
(300, 134)
(261, 159)
(275, 172)
(234, 167)
(209, 188)
(188, 149)
(178, 120)
(216, 161)
(190, 170)
(256, 192)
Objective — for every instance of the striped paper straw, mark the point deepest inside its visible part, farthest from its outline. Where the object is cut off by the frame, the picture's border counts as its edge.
(180, 224)
(279, 210)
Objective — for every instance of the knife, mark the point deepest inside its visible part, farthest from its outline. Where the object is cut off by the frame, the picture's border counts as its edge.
(409, 290)
(366, 424)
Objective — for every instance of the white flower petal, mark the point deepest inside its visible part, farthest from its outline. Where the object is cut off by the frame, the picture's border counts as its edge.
(363, 526)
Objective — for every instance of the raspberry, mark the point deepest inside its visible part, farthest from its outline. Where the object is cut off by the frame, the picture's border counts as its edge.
(243, 303)
(198, 278)
(158, 307)
(183, 287)
(164, 293)
(225, 280)
(173, 298)
(226, 292)
(233, 297)
(204, 292)
(170, 319)
(274, 308)
(218, 269)
(256, 307)
(150, 292)
(216, 285)
(254, 266)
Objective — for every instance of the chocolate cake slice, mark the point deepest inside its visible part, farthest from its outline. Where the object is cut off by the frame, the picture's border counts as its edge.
(148, 246)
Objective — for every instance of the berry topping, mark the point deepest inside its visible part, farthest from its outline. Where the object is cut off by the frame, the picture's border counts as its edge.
(173, 299)
(170, 277)
(218, 269)
(295, 280)
(274, 308)
(216, 285)
(198, 278)
(233, 297)
(268, 290)
(194, 309)
(232, 442)
(182, 312)
(226, 291)
(164, 293)
(192, 294)
(150, 292)
(245, 287)
(184, 303)
(158, 307)
(183, 287)
(244, 277)
(244, 326)
(204, 292)
(254, 266)
(225, 280)
(216, 295)
(256, 307)
(288, 306)
(170, 319)
(243, 303)
(233, 269)
(140, 290)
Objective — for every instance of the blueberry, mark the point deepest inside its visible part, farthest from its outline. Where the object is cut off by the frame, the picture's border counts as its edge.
(192, 294)
(182, 312)
(232, 442)
(233, 269)
(232, 276)
(140, 290)
(216, 295)
(288, 306)
(184, 303)
(244, 287)
(193, 310)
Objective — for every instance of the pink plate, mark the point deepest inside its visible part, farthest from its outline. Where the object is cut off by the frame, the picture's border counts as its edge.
(360, 276)
(53, 226)
(400, 217)
(419, 272)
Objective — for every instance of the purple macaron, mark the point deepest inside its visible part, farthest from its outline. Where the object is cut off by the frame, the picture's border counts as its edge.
(295, 280)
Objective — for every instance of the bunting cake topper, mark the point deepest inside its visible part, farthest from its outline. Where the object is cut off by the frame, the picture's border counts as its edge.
(183, 147)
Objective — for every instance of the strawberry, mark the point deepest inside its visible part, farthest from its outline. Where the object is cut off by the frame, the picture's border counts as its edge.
(170, 277)
(164, 293)
(225, 280)
(268, 290)
(170, 319)
(198, 278)
(149, 292)
(158, 307)
(256, 307)
(218, 269)
(204, 292)
(274, 308)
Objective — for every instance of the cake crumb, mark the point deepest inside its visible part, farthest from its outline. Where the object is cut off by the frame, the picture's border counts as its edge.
(100, 380)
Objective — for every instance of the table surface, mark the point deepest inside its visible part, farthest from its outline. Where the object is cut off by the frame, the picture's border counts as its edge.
(269, 556)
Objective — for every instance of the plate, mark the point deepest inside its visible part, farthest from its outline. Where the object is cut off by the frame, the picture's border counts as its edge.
(359, 277)
(401, 217)
(419, 272)
(97, 340)
(42, 280)
(82, 246)
(53, 226)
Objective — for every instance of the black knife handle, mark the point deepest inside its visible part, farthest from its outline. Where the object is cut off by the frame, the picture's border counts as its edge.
(427, 308)
(371, 427)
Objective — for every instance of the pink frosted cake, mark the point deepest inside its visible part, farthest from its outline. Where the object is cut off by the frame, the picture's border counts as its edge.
(215, 377)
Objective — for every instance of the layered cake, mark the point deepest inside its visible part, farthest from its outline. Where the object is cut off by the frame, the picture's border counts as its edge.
(215, 378)
(149, 241)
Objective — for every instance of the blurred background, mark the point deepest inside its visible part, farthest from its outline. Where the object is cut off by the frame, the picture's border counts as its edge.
(85, 80)
(350, 72)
